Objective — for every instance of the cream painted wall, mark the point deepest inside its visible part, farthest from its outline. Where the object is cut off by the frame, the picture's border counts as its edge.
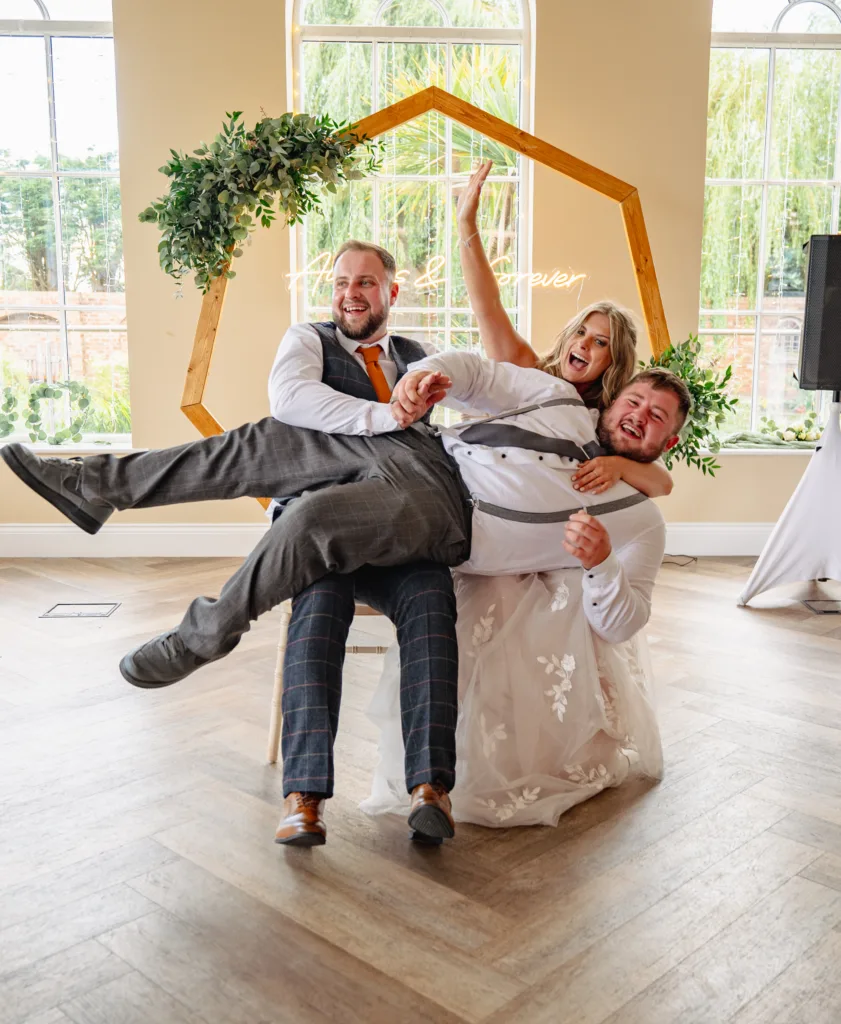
(622, 85)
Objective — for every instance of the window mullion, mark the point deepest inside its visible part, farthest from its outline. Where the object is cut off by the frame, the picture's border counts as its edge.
(448, 199)
(763, 235)
(56, 192)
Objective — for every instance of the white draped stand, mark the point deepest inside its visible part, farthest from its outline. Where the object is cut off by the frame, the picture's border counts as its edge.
(806, 542)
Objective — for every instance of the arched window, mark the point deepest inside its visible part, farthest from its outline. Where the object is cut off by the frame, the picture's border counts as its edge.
(773, 179)
(62, 304)
(352, 57)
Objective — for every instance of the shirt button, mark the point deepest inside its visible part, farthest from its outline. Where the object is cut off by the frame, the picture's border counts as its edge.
(594, 604)
(503, 455)
(540, 457)
(589, 575)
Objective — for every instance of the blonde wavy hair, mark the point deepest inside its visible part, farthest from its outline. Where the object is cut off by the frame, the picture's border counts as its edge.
(623, 353)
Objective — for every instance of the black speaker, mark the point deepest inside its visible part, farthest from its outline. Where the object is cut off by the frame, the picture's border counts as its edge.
(820, 341)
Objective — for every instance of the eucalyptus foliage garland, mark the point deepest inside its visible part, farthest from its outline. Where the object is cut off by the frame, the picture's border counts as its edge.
(219, 194)
(710, 404)
(80, 400)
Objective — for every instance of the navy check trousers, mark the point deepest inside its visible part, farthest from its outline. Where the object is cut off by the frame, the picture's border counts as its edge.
(419, 600)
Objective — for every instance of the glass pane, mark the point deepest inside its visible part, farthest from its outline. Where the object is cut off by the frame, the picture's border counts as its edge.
(780, 399)
(100, 360)
(92, 236)
(745, 15)
(30, 355)
(339, 12)
(810, 18)
(402, 323)
(14, 9)
(79, 10)
(736, 350)
(736, 113)
(347, 214)
(488, 77)
(805, 114)
(412, 12)
(498, 227)
(419, 146)
(28, 268)
(468, 340)
(730, 246)
(794, 213)
(24, 105)
(462, 13)
(85, 103)
(337, 79)
(413, 228)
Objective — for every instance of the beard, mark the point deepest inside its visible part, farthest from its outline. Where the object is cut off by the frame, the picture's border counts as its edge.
(614, 441)
(361, 329)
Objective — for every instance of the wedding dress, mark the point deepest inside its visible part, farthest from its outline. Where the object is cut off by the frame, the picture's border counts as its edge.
(549, 714)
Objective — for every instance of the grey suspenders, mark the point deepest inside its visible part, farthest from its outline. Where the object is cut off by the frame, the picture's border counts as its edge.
(490, 433)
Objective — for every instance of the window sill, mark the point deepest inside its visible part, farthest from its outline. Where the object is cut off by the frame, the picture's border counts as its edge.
(724, 452)
(82, 448)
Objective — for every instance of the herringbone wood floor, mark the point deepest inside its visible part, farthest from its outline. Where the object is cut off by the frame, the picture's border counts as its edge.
(139, 882)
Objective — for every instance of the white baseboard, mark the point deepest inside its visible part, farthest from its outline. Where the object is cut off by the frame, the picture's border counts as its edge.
(118, 540)
(203, 540)
(717, 538)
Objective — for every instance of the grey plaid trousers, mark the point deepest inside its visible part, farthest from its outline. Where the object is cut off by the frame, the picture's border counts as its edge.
(385, 500)
(419, 599)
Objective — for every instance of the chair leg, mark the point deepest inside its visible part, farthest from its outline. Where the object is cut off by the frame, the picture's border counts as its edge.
(277, 694)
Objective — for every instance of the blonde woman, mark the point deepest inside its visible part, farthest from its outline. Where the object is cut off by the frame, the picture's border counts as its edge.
(595, 351)
(549, 712)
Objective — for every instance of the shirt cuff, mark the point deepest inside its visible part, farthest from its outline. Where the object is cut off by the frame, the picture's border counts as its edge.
(603, 573)
(382, 422)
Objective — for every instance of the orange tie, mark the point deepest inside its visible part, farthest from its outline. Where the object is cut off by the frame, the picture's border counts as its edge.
(371, 354)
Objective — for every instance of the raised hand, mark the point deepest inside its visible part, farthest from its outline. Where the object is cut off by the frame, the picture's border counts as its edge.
(468, 200)
(416, 393)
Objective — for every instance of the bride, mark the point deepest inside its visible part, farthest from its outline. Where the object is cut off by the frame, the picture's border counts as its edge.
(549, 713)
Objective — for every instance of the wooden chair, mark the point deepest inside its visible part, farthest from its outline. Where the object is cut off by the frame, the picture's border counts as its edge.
(277, 693)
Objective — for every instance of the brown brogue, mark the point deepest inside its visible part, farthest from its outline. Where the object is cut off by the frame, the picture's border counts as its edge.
(431, 815)
(302, 823)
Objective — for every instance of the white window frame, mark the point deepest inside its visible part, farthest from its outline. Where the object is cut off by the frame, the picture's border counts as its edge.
(48, 30)
(774, 41)
(298, 34)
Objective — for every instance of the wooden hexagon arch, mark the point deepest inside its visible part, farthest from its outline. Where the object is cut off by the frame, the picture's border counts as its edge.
(433, 98)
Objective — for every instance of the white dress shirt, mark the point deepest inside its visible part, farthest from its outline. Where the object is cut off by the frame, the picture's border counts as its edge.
(617, 593)
(298, 396)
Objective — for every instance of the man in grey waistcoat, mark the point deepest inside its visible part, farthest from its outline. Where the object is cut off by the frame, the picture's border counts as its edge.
(334, 378)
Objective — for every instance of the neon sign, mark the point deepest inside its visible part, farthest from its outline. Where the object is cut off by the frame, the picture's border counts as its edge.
(429, 279)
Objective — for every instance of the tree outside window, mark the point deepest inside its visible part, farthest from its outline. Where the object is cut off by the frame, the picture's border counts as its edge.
(773, 179)
(62, 298)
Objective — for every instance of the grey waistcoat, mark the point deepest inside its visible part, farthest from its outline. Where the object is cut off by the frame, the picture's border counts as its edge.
(343, 373)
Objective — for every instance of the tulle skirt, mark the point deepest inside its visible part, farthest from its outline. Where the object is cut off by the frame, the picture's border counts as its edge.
(549, 714)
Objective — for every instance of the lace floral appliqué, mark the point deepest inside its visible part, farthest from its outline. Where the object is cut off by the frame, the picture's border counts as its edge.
(483, 630)
(598, 776)
(564, 668)
(503, 812)
(489, 738)
(560, 598)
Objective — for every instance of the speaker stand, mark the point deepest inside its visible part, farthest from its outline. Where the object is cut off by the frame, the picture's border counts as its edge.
(806, 542)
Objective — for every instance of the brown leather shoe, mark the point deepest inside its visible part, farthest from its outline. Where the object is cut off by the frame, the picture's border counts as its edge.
(302, 823)
(431, 812)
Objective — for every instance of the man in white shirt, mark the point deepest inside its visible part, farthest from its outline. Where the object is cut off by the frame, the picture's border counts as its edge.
(391, 495)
